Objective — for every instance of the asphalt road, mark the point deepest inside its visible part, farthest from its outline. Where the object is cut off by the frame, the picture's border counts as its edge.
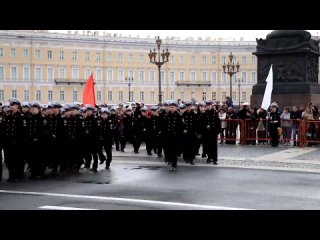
(152, 186)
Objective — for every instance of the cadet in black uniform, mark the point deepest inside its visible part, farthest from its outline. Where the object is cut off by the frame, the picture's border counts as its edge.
(189, 120)
(105, 137)
(35, 130)
(274, 125)
(91, 138)
(210, 128)
(127, 129)
(13, 140)
(27, 115)
(163, 111)
(155, 129)
(115, 124)
(171, 128)
(140, 125)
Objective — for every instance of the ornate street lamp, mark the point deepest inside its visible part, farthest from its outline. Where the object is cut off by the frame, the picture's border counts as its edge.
(231, 68)
(129, 79)
(153, 59)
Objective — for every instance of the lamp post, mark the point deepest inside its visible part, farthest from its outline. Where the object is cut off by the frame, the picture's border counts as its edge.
(129, 79)
(239, 89)
(159, 62)
(232, 69)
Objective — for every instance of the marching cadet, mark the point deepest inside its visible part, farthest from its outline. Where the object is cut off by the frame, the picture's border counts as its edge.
(55, 134)
(210, 127)
(127, 128)
(13, 140)
(181, 109)
(105, 137)
(189, 120)
(171, 128)
(35, 133)
(163, 111)
(115, 124)
(91, 138)
(155, 129)
(26, 109)
(274, 120)
(140, 126)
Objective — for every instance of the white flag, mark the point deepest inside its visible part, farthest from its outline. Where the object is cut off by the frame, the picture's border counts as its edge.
(267, 93)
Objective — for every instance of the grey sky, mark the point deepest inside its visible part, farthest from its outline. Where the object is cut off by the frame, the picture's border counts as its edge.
(229, 34)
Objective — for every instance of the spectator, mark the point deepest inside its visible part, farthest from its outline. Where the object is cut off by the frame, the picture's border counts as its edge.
(295, 117)
(286, 126)
(222, 116)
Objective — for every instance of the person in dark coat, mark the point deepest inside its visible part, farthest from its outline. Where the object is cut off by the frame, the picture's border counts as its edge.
(127, 129)
(116, 127)
(274, 121)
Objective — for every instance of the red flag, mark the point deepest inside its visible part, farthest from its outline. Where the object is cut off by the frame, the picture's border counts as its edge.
(88, 92)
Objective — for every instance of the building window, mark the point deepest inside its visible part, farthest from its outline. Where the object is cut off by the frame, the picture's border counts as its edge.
(49, 54)
(99, 74)
(87, 56)
(214, 96)
(244, 77)
(193, 59)
(223, 96)
(204, 76)
(110, 75)
(74, 55)
(141, 96)
(50, 95)
(213, 60)
(109, 57)
(120, 96)
(87, 72)
(244, 96)
(109, 95)
(1, 73)
(13, 53)
(75, 73)
(120, 75)
(253, 60)
(141, 58)
(14, 93)
(182, 96)
(61, 55)
(204, 60)
(152, 76)
(98, 95)
(172, 77)
(61, 95)
(204, 96)
(224, 60)
(193, 76)
(181, 76)
(224, 77)
(25, 53)
(75, 96)
(1, 52)
(26, 96)
(14, 74)
(163, 79)
(26, 73)
(38, 95)
(131, 73)
(171, 59)
(131, 57)
(62, 73)
(120, 57)
(37, 54)
(38, 73)
(50, 74)
(214, 77)
(234, 78)
(172, 95)
(181, 60)
(152, 96)
(254, 77)
(2, 95)
(234, 96)
(244, 60)
(141, 76)
(130, 96)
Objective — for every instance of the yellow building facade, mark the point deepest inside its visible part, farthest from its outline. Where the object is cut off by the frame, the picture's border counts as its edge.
(44, 67)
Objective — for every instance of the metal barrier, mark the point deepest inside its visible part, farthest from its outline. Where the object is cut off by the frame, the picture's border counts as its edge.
(233, 131)
(310, 132)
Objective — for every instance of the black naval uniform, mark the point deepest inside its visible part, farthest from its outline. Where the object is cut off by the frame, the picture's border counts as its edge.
(274, 124)
(140, 125)
(105, 140)
(154, 132)
(127, 131)
(189, 135)
(91, 136)
(13, 141)
(115, 131)
(161, 136)
(210, 128)
(35, 133)
(171, 128)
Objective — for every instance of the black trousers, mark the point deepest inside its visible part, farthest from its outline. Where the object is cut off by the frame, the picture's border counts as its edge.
(1, 167)
(91, 151)
(211, 147)
(189, 144)
(137, 139)
(107, 146)
(148, 141)
(116, 137)
(274, 135)
(171, 149)
(14, 160)
(55, 156)
(37, 162)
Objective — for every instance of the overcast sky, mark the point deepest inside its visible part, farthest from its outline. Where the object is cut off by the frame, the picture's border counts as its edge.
(237, 34)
